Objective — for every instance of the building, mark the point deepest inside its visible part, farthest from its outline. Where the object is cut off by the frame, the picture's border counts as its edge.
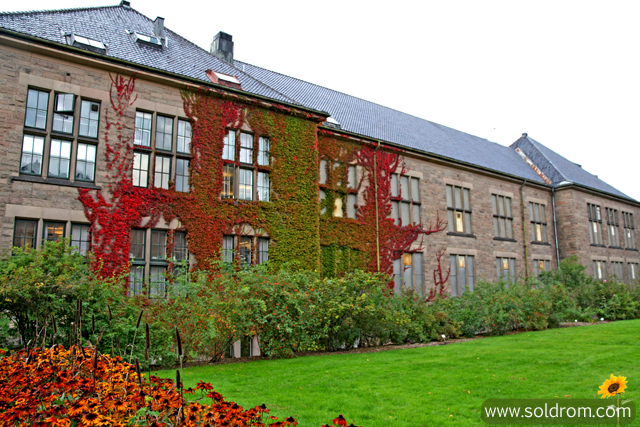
(134, 142)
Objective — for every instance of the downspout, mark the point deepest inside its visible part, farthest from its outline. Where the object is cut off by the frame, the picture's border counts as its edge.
(524, 232)
(555, 225)
(375, 186)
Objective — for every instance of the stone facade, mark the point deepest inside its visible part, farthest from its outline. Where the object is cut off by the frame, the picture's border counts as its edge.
(27, 65)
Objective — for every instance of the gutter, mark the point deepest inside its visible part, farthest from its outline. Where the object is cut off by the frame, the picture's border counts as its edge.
(524, 232)
(555, 225)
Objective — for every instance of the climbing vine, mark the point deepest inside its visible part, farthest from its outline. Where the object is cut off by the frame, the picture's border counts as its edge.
(112, 215)
(304, 232)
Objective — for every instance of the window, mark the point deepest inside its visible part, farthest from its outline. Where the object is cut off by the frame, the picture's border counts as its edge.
(60, 164)
(81, 237)
(89, 119)
(182, 175)
(158, 245)
(32, 148)
(264, 147)
(164, 133)
(459, 209)
(502, 217)
(244, 247)
(228, 249)
(595, 224)
(59, 159)
(538, 222)
(405, 200)
(263, 186)
(633, 271)
(162, 172)
(243, 179)
(136, 279)
(157, 281)
(86, 162)
(599, 270)
(506, 269)
(143, 129)
(263, 250)
(137, 244)
(37, 106)
(540, 265)
(629, 232)
(462, 274)
(616, 270)
(180, 251)
(63, 110)
(184, 137)
(408, 273)
(140, 169)
(24, 233)
(52, 231)
(322, 178)
(612, 225)
(228, 184)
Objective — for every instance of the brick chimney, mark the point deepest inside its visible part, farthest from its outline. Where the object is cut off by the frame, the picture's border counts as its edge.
(222, 47)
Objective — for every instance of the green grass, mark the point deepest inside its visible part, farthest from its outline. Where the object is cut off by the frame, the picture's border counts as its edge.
(425, 386)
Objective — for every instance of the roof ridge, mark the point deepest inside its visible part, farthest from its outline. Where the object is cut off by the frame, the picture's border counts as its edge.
(534, 144)
(71, 9)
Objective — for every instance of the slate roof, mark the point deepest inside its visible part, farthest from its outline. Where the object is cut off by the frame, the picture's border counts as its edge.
(376, 121)
(560, 170)
(178, 56)
(181, 57)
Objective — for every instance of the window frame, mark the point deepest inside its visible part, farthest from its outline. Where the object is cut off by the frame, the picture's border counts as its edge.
(232, 251)
(46, 109)
(599, 269)
(47, 223)
(63, 114)
(546, 266)
(629, 230)
(506, 217)
(408, 273)
(80, 241)
(33, 238)
(539, 222)
(465, 211)
(595, 224)
(457, 288)
(407, 206)
(509, 274)
(242, 171)
(613, 233)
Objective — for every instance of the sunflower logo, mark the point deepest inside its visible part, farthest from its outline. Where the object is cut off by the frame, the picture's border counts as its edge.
(613, 386)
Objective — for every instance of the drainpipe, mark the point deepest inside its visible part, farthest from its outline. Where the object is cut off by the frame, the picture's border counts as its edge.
(375, 186)
(524, 232)
(555, 225)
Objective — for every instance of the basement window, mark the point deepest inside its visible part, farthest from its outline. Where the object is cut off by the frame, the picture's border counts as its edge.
(148, 40)
(87, 43)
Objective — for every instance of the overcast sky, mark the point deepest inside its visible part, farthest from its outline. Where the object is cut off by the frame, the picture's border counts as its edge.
(565, 72)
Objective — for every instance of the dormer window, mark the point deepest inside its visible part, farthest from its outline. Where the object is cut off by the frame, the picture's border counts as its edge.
(87, 43)
(148, 40)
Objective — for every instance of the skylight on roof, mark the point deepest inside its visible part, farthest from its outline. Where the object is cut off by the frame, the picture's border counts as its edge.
(87, 43)
(227, 78)
(150, 40)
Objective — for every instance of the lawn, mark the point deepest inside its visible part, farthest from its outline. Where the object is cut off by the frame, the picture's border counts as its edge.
(438, 385)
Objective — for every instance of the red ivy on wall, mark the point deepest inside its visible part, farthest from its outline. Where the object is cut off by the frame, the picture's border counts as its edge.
(112, 215)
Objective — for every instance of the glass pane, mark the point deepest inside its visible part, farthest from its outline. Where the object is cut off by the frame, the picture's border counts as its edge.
(351, 205)
(467, 203)
(404, 187)
(494, 204)
(415, 189)
(496, 232)
(394, 185)
(416, 214)
(351, 176)
(451, 222)
(467, 223)
(459, 223)
(501, 205)
(457, 191)
(449, 197)
(454, 276)
(323, 172)
(394, 212)
(406, 219)
(508, 203)
(471, 273)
